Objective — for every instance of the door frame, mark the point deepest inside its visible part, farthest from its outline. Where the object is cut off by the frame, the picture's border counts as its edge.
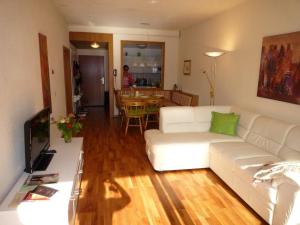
(68, 79)
(100, 37)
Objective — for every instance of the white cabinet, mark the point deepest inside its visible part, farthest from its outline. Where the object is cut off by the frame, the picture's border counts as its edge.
(61, 209)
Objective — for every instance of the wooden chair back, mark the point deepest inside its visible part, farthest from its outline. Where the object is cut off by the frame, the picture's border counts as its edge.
(154, 103)
(134, 108)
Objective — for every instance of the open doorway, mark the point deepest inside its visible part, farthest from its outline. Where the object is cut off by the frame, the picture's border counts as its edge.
(90, 73)
(92, 70)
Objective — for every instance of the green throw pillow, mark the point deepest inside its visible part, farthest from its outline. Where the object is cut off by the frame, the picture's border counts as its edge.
(224, 123)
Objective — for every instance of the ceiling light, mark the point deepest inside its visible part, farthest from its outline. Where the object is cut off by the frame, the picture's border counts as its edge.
(153, 1)
(214, 54)
(95, 45)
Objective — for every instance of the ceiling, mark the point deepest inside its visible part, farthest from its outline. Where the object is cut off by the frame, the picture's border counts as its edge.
(157, 14)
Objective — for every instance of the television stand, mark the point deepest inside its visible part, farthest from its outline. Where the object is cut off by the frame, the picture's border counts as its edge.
(43, 161)
(61, 208)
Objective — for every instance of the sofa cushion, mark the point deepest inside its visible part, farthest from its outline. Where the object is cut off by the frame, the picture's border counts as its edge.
(187, 119)
(236, 150)
(245, 160)
(188, 137)
(247, 192)
(224, 123)
(291, 148)
(268, 134)
(176, 119)
(166, 154)
(174, 151)
(202, 114)
(246, 168)
(246, 121)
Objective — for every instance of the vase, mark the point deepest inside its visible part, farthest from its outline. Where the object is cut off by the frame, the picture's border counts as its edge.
(67, 135)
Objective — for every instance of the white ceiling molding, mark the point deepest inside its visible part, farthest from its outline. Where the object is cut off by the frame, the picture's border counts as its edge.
(125, 30)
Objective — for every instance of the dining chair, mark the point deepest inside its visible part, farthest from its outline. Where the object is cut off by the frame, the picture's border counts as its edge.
(152, 110)
(134, 111)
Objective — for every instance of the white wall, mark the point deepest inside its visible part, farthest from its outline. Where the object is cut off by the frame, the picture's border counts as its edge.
(99, 52)
(171, 39)
(20, 76)
(239, 30)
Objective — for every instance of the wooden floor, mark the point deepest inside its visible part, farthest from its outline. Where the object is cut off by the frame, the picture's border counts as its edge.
(119, 186)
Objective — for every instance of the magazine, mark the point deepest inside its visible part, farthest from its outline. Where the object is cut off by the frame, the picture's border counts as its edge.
(40, 193)
(42, 179)
(31, 184)
(20, 196)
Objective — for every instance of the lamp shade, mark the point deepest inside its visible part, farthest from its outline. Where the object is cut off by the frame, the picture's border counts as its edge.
(214, 54)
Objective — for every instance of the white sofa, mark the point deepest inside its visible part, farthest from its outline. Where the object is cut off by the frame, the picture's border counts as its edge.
(183, 141)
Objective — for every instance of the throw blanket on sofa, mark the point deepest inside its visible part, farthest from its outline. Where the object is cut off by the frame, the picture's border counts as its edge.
(271, 171)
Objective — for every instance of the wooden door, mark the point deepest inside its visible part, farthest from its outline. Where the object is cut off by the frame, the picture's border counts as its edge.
(92, 80)
(45, 71)
(68, 79)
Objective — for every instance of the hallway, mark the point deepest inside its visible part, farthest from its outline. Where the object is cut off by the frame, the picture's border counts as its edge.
(119, 186)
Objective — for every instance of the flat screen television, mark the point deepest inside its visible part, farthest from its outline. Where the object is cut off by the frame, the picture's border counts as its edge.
(37, 140)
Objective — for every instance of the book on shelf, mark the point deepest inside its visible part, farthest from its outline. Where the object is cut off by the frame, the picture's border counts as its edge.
(30, 184)
(40, 193)
(42, 179)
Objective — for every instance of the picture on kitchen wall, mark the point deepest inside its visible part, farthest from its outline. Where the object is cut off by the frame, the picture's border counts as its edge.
(279, 75)
(187, 64)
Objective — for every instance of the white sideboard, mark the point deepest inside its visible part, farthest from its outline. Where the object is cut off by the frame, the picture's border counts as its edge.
(61, 209)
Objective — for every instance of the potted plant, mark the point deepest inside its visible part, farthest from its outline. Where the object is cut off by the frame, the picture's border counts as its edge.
(68, 126)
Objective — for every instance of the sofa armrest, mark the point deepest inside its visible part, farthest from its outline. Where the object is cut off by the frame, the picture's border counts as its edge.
(287, 208)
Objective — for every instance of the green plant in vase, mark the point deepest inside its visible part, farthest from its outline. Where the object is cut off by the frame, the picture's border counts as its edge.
(68, 127)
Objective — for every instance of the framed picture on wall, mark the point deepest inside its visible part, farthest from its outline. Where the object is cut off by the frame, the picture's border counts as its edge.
(187, 66)
(279, 75)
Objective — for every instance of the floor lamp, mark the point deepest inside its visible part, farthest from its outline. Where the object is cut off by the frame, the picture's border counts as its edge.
(211, 80)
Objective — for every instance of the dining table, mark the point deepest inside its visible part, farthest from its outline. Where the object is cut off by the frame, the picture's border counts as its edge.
(145, 98)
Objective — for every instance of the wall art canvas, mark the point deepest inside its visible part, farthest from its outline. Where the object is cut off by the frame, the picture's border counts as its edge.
(279, 75)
